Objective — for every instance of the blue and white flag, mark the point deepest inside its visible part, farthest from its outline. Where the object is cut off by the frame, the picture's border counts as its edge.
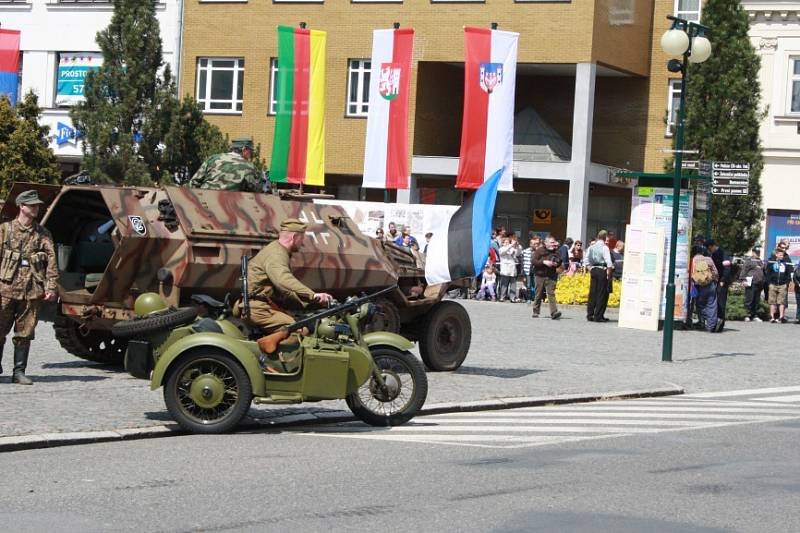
(462, 251)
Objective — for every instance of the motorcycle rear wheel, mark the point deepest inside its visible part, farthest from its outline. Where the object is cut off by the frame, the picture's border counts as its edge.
(407, 388)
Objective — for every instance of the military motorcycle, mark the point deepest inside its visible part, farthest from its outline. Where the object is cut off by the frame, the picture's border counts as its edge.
(212, 368)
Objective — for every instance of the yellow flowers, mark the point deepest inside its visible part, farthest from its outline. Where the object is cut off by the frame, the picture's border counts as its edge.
(575, 290)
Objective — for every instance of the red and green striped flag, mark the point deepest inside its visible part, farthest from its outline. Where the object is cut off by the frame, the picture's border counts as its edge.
(298, 149)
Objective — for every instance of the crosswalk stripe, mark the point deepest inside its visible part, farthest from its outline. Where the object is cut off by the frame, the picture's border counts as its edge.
(745, 392)
(624, 408)
(786, 399)
(677, 401)
(608, 418)
(613, 414)
(539, 426)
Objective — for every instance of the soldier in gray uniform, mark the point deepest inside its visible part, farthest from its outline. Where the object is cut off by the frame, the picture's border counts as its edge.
(28, 274)
(232, 171)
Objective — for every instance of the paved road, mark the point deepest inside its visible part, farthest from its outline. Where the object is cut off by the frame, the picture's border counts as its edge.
(512, 355)
(732, 468)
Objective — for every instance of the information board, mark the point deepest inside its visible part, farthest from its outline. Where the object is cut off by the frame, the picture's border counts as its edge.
(651, 207)
(640, 301)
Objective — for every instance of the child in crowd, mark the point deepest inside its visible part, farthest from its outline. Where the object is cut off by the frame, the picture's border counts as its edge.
(487, 284)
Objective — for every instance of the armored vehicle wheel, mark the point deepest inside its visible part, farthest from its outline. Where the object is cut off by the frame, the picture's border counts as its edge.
(386, 319)
(95, 345)
(207, 391)
(445, 337)
(404, 395)
(142, 327)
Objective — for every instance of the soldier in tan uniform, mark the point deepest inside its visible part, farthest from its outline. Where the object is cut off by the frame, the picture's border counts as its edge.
(28, 274)
(274, 291)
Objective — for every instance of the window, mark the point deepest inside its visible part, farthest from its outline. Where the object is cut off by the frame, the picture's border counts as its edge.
(673, 103)
(688, 9)
(273, 86)
(358, 88)
(794, 85)
(219, 84)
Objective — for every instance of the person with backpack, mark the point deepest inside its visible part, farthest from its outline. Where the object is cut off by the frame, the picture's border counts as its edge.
(704, 289)
(779, 274)
(598, 259)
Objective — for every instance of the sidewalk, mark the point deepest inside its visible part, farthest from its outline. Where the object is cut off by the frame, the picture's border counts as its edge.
(512, 356)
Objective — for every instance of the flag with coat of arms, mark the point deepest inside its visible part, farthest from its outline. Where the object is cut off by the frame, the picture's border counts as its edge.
(386, 153)
(487, 131)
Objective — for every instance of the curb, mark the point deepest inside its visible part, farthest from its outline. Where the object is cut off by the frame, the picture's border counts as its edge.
(53, 440)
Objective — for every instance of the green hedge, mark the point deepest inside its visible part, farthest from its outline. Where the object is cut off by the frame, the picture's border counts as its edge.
(735, 309)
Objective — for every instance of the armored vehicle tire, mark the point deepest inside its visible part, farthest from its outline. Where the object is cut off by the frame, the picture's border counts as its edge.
(407, 388)
(94, 345)
(207, 391)
(141, 327)
(445, 336)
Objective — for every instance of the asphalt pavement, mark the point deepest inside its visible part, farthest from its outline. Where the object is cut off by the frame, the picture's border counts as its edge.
(512, 358)
(704, 463)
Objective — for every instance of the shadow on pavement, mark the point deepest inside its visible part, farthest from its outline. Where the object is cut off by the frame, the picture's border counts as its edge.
(83, 364)
(57, 379)
(506, 373)
(717, 355)
(158, 415)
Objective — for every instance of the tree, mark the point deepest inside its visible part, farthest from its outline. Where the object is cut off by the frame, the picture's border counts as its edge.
(134, 127)
(190, 139)
(723, 118)
(25, 153)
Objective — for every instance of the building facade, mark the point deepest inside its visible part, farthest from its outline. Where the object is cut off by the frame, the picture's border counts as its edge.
(775, 34)
(582, 96)
(58, 47)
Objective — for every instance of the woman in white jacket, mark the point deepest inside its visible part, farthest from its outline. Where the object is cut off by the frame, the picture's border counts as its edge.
(508, 268)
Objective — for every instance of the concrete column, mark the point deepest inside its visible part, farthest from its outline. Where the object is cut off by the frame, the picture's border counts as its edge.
(410, 195)
(583, 114)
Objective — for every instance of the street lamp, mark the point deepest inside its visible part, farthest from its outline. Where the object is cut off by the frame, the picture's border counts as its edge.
(688, 41)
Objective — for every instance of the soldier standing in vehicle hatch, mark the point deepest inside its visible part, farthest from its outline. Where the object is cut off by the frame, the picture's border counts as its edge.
(28, 274)
(232, 171)
(274, 290)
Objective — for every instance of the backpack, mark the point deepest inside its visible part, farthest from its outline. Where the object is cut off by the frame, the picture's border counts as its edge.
(701, 273)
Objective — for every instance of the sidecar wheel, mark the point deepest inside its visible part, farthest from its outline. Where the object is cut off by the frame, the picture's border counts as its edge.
(407, 388)
(207, 391)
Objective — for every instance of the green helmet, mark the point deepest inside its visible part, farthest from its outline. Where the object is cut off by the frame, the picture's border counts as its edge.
(149, 303)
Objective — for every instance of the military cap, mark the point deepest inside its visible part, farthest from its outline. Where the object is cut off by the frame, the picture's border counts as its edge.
(292, 224)
(29, 197)
(242, 142)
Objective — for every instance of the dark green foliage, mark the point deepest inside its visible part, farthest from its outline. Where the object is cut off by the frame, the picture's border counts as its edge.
(722, 120)
(25, 153)
(131, 95)
(735, 309)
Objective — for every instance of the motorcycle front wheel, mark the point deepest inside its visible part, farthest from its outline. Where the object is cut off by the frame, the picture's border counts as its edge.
(406, 387)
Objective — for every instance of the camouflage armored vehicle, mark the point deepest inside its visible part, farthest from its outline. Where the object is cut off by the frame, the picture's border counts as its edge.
(115, 243)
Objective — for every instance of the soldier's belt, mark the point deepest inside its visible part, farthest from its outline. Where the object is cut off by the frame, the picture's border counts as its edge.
(267, 300)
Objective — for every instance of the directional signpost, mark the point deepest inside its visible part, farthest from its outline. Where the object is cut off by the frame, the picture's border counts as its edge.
(727, 179)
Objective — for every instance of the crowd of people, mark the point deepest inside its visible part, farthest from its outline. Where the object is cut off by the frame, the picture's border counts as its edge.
(712, 273)
(514, 273)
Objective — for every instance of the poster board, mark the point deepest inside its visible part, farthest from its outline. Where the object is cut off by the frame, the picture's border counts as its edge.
(652, 207)
(72, 70)
(640, 301)
(783, 224)
(422, 218)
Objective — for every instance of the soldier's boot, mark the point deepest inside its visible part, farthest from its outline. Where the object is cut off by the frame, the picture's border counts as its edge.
(285, 355)
(20, 364)
(2, 345)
